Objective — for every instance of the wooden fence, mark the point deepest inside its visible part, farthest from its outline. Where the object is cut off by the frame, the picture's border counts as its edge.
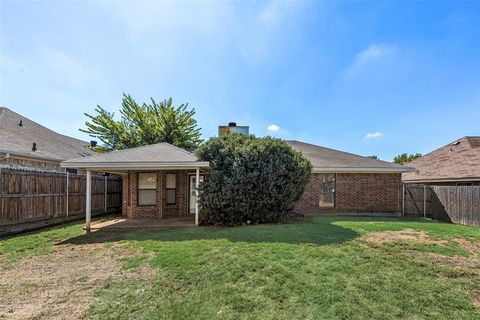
(28, 196)
(456, 204)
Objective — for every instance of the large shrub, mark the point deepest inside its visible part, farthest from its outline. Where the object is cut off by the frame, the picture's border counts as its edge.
(254, 180)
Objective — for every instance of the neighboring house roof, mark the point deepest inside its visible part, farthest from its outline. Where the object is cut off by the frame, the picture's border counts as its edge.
(18, 140)
(159, 155)
(330, 160)
(457, 161)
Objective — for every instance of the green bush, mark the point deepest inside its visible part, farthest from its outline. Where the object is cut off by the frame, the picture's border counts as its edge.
(253, 180)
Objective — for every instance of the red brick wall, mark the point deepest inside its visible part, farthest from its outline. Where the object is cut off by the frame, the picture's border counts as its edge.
(355, 193)
(160, 210)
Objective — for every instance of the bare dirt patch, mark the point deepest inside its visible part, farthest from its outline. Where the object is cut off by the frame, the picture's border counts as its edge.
(467, 265)
(474, 247)
(59, 285)
(413, 235)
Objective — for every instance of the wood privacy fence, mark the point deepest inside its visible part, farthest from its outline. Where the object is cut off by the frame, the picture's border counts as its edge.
(28, 196)
(456, 204)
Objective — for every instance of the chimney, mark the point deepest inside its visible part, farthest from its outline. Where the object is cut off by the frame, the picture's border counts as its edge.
(232, 128)
(34, 147)
(93, 143)
(20, 124)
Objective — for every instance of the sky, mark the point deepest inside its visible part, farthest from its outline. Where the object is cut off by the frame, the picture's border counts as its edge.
(372, 78)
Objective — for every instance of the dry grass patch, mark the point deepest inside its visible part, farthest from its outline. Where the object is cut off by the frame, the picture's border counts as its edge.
(59, 285)
(418, 236)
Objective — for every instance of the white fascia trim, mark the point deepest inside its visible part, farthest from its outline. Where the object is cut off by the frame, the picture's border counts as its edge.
(29, 156)
(361, 170)
(442, 180)
(135, 165)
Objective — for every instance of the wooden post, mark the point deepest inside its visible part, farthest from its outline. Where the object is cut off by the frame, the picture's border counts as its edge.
(424, 201)
(403, 199)
(197, 180)
(105, 194)
(88, 205)
(66, 195)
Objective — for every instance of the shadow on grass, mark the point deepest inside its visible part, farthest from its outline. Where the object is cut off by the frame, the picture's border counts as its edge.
(306, 231)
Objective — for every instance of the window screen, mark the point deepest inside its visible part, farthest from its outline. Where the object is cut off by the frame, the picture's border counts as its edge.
(147, 189)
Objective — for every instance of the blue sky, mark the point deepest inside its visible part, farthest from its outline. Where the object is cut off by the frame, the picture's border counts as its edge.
(366, 77)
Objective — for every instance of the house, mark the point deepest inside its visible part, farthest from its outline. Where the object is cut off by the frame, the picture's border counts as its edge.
(160, 181)
(342, 182)
(25, 144)
(457, 163)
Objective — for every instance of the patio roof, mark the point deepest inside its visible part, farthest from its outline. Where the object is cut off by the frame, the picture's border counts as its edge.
(155, 156)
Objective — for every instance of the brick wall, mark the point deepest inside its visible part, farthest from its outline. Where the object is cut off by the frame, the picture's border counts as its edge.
(160, 210)
(355, 193)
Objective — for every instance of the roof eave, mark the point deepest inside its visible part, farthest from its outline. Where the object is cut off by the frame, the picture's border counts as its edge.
(135, 165)
(29, 155)
(361, 170)
(452, 179)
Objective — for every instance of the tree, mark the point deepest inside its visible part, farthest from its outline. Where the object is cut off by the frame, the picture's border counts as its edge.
(405, 158)
(144, 124)
(373, 157)
(252, 180)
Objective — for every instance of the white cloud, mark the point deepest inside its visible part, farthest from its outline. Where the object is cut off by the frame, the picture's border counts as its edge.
(373, 135)
(373, 55)
(273, 128)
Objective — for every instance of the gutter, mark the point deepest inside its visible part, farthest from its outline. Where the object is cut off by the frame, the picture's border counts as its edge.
(134, 165)
(361, 170)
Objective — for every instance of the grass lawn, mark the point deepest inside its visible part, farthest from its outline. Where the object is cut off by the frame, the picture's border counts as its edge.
(319, 268)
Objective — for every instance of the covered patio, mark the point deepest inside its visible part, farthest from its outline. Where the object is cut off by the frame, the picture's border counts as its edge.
(126, 224)
(160, 182)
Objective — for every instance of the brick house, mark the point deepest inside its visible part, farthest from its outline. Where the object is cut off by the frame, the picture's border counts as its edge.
(342, 182)
(455, 164)
(160, 181)
(27, 145)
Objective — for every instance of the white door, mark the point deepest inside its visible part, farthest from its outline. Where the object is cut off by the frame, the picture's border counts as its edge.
(193, 197)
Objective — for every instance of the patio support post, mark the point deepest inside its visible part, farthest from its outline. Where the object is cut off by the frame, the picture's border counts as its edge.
(197, 180)
(88, 204)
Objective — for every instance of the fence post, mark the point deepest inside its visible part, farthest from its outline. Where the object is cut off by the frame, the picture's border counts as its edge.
(66, 196)
(403, 199)
(105, 194)
(424, 201)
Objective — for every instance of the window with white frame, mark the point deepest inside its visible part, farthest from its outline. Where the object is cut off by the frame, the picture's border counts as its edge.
(327, 190)
(171, 188)
(147, 189)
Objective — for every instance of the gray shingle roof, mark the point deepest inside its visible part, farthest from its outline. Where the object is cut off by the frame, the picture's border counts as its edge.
(457, 161)
(19, 140)
(159, 154)
(330, 160)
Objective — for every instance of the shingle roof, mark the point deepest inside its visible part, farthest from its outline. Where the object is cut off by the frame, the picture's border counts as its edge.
(154, 155)
(459, 160)
(19, 140)
(330, 160)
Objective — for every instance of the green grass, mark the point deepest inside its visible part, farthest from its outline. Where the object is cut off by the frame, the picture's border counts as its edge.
(317, 269)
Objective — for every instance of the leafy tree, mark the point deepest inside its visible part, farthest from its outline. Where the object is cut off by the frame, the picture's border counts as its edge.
(254, 180)
(405, 158)
(144, 124)
(373, 157)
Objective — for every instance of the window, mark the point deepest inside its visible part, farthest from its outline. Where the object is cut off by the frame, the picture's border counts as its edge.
(147, 189)
(327, 190)
(171, 188)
